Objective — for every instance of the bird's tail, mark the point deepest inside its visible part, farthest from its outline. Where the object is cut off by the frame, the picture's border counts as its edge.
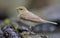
(50, 22)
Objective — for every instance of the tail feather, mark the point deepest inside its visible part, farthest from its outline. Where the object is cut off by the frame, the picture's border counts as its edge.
(49, 22)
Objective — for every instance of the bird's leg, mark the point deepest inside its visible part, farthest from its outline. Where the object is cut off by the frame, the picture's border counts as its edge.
(31, 32)
(28, 32)
(30, 27)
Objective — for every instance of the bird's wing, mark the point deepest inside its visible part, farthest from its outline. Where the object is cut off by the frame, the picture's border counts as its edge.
(32, 17)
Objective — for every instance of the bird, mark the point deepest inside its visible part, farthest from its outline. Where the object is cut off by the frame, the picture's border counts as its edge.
(25, 14)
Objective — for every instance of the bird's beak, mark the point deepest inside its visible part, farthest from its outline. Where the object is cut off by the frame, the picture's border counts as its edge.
(17, 9)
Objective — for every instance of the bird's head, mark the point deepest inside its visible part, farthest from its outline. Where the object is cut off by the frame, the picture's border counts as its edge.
(21, 9)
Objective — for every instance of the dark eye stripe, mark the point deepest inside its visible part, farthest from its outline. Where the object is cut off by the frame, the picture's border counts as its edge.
(21, 9)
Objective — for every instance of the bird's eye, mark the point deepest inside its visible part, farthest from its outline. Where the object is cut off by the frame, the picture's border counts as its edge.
(20, 8)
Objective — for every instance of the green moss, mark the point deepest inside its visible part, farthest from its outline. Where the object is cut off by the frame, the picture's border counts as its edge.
(7, 22)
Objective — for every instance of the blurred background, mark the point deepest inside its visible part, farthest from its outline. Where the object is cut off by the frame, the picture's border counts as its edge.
(46, 9)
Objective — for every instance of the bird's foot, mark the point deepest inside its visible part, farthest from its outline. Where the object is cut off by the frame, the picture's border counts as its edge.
(32, 33)
(28, 33)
